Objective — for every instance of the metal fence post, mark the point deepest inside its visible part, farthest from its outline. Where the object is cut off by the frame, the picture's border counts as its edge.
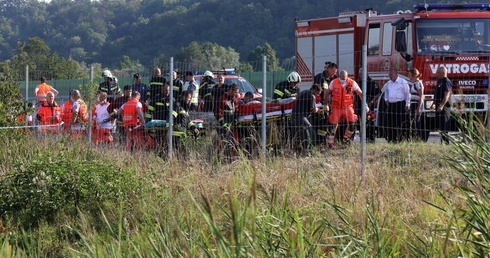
(264, 87)
(363, 110)
(90, 120)
(27, 96)
(171, 109)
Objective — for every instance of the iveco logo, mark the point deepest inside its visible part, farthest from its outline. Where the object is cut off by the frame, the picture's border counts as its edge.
(467, 83)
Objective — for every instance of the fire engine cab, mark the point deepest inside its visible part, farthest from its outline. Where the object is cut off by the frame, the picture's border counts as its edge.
(433, 35)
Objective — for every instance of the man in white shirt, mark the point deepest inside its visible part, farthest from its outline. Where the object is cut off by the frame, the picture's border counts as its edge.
(103, 121)
(397, 98)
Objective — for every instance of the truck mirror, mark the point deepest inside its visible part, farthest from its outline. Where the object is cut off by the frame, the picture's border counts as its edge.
(407, 57)
(400, 41)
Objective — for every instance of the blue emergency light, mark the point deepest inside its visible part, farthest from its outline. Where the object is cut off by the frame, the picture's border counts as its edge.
(421, 7)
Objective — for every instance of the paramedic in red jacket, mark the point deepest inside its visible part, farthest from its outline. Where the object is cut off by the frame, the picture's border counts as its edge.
(49, 115)
(340, 96)
(133, 120)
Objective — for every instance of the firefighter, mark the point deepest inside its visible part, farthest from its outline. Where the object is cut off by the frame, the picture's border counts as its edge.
(184, 117)
(205, 92)
(218, 90)
(305, 105)
(326, 77)
(109, 86)
(156, 81)
(288, 88)
(177, 85)
(159, 109)
(340, 96)
(49, 115)
(226, 115)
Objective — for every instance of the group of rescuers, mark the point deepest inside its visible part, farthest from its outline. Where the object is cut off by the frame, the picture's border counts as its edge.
(139, 104)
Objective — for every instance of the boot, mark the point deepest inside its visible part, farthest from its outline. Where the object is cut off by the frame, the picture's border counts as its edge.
(347, 136)
(330, 141)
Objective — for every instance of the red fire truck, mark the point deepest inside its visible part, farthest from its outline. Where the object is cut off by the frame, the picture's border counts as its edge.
(433, 35)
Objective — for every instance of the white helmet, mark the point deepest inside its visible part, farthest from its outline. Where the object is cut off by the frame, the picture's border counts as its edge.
(208, 73)
(106, 73)
(294, 77)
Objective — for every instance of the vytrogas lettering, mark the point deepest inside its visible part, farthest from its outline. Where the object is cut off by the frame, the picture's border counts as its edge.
(461, 68)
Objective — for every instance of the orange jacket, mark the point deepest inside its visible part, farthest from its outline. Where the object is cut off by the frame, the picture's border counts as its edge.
(49, 115)
(130, 113)
(42, 89)
(67, 113)
(342, 97)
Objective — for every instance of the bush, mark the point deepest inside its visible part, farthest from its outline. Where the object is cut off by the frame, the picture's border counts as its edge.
(49, 185)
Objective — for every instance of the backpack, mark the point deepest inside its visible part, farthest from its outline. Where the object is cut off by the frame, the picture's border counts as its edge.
(82, 112)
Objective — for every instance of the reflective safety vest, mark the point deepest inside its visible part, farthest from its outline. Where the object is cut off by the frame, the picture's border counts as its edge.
(130, 114)
(67, 113)
(50, 117)
(154, 87)
(342, 97)
(42, 89)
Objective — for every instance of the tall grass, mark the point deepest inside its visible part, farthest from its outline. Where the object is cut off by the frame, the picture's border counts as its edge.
(411, 202)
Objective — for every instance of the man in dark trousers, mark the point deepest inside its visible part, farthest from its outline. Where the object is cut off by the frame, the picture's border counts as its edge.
(442, 103)
(305, 105)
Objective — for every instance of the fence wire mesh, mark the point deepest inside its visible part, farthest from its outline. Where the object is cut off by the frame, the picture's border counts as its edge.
(283, 134)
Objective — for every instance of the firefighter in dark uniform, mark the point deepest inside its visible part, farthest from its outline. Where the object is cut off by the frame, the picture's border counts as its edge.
(226, 115)
(110, 86)
(288, 88)
(156, 82)
(305, 105)
(205, 91)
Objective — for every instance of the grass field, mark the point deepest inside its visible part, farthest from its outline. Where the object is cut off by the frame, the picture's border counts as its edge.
(65, 199)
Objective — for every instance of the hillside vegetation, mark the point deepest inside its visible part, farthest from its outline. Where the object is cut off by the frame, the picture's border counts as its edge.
(105, 31)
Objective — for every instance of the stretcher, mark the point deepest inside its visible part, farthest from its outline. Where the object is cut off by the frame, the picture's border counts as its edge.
(153, 124)
(276, 110)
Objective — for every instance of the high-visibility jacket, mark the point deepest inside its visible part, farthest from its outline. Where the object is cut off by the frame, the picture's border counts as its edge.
(111, 88)
(342, 97)
(159, 109)
(49, 116)
(284, 91)
(41, 90)
(154, 86)
(130, 113)
(67, 113)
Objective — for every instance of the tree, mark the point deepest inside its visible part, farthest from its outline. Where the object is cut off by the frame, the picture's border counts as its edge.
(11, 104)
(37, 55)
(127, 63)
(266, 50)
(208, 56)
(33, 53)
